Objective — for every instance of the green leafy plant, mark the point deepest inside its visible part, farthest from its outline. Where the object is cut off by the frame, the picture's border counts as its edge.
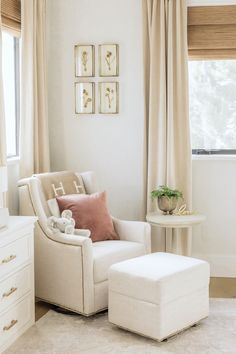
(164, 191)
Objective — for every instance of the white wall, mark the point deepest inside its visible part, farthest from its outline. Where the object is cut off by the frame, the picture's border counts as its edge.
(110, 145)
(214, 194)
(13, 177)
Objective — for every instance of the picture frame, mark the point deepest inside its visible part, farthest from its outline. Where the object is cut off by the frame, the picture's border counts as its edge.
(108, 97)
(84, 60)
(84, 97)
(108, 60)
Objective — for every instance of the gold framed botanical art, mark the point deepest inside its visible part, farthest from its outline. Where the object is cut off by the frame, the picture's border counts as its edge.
(84, 61)
(108, 97)
(84, 98)
(108, 60)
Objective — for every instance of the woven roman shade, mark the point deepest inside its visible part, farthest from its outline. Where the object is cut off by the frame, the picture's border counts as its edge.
(212, 32)
(11, 16)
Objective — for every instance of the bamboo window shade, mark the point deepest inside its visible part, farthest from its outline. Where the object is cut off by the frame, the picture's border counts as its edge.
(212, 32)
(11, 16)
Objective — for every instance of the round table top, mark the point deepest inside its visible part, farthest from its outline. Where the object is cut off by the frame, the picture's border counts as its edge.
(175, 221)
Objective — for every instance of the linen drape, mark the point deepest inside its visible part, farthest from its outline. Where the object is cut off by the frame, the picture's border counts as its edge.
(3, 149)
(34, 141)
(168, 148)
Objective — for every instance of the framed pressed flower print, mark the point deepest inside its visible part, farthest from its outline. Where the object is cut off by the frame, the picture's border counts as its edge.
(109, 97)
(108, 60)
(84, 61)
(84, 98)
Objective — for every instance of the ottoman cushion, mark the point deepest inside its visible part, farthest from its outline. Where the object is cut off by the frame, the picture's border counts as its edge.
(158, 277)
(159, 294)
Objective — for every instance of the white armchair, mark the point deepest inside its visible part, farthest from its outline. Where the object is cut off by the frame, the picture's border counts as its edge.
(70, 270)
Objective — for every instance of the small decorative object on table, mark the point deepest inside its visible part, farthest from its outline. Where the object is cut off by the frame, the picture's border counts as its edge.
(167, 198)
(183, 211)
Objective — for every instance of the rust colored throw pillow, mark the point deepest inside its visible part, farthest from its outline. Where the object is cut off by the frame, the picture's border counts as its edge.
(90, 212)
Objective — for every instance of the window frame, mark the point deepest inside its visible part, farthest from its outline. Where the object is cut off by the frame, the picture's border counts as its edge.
(211, 36)
(214, 152)
(16, 43)
(17, 93)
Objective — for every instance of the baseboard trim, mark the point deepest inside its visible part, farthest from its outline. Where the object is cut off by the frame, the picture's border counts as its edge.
(223, 266)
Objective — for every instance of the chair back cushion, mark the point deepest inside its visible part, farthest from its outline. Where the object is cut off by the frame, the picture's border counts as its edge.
(90, 212)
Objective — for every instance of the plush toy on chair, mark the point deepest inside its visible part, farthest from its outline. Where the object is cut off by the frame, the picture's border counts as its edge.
(66, 224)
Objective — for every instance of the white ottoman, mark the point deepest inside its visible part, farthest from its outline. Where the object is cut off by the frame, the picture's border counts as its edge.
(159, 294)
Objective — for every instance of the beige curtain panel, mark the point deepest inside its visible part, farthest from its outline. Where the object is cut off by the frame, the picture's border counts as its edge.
(168, 148)
(34, 141)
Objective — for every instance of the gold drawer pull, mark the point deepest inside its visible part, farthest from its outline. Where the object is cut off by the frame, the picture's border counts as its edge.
(8, 259)
(13, 323)
(11, 291)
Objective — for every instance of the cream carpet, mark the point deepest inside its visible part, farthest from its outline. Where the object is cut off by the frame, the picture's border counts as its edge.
(56, 333)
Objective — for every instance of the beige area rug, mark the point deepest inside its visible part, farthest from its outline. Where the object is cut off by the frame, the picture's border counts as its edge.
(56, 333)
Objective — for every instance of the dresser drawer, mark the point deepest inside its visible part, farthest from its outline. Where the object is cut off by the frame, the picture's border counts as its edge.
(12, 321)
(14, 287)
(14, 254)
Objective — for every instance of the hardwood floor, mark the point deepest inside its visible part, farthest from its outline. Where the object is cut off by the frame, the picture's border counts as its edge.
(223, 287)
(41, 308)
(219, 287)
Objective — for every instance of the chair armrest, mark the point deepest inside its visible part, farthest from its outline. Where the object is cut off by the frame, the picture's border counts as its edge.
(82, 232)
(73, 240)
(136, 231)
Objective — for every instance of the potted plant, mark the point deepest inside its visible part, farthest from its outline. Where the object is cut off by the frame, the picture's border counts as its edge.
(167, 198)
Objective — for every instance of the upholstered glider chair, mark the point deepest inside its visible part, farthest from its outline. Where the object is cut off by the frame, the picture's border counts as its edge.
(70, 270)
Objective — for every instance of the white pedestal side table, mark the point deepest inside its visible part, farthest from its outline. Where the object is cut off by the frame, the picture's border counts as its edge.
(174, 222)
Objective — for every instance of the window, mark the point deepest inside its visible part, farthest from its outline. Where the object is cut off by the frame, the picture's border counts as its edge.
(212, 78)
(10, 66)
(212, 99)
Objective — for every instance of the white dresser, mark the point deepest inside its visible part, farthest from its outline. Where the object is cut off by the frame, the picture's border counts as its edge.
(16, 279)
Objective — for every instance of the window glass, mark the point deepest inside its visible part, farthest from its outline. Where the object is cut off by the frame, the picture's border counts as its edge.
(212, 100)
(10, 89)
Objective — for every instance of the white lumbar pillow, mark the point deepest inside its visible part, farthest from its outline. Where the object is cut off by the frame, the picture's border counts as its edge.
(54, 208)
